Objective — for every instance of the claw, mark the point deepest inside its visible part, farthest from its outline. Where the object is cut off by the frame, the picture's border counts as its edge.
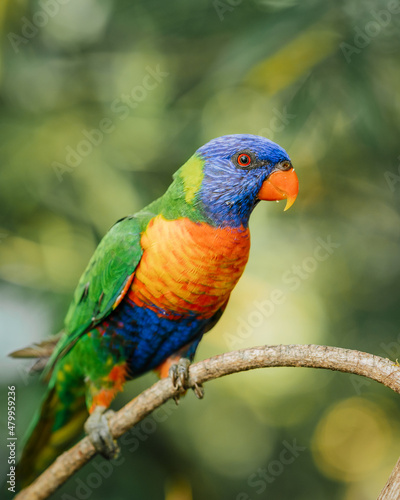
(183, 372)
(182, 379)
(179, 373)
(198, 390)
(98, 431)
(173, 373)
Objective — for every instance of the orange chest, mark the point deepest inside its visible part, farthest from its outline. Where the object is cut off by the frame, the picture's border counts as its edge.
(188, 267)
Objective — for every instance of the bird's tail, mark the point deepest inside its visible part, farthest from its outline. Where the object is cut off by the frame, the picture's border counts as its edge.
(40, 352)
(57, 424)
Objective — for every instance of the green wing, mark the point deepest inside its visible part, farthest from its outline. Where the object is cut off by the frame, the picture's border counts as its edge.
(104, 282)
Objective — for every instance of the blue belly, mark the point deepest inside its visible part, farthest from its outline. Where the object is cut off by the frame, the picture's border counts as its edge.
(146, 339)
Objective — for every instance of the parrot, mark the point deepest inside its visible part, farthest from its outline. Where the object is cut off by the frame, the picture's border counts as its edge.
(157, 282)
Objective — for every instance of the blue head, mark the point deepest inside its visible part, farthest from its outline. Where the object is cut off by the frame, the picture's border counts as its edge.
(236, 173)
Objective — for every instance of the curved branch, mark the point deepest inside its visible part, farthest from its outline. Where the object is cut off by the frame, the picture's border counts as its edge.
(392, 487)
(376, 368)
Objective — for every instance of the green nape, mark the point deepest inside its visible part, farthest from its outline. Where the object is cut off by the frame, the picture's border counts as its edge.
(181, 198)
(192, 175)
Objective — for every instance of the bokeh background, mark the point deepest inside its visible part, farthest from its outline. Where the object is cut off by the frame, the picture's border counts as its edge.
(100, 102)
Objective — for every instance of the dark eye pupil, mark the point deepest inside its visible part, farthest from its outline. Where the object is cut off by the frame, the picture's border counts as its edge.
(244, 159)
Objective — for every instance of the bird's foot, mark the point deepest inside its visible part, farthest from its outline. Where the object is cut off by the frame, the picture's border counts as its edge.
(179, 374)
(98, 431)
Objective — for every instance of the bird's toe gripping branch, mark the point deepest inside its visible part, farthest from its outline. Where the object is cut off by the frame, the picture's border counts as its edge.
(179, 373)
(177, 369)
(98, 431)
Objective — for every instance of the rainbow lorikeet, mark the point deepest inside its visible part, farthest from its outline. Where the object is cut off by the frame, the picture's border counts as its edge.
(156, 283)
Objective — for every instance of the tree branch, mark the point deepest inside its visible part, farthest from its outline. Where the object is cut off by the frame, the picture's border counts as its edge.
(392, 487)
(312, 356)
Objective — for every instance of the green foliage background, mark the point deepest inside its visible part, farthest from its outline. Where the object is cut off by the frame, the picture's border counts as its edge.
(318, 77)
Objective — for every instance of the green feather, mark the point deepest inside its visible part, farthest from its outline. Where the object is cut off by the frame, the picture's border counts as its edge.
(113, 262)
(181, 198)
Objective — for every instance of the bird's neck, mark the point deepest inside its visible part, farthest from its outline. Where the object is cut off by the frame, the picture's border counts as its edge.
(181, 200)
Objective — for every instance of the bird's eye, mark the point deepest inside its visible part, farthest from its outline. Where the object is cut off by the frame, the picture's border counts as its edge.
(244, 160)
(285, 165)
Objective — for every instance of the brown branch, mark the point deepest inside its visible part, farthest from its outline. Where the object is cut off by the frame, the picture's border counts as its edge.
(313, 356)
(391, 491)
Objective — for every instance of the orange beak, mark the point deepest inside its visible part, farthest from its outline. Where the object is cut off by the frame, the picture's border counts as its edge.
(280, 185)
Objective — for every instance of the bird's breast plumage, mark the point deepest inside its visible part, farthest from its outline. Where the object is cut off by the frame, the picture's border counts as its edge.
(188, 267)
